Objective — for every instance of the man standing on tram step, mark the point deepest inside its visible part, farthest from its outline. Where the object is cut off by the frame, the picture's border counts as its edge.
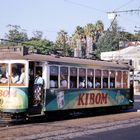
(38, 88)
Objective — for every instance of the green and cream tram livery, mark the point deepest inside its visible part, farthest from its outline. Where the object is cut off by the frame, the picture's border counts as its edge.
(69, 83)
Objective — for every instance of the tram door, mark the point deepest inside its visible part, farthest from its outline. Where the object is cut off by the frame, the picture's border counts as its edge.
(31, 82)
(35, 89)
(39, 84)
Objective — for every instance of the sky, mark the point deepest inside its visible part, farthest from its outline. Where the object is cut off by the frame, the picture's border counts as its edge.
(51, 16)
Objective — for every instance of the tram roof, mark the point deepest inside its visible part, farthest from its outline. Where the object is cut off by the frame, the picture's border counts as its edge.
(15, 55)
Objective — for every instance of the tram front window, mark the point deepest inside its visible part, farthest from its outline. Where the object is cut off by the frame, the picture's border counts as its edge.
(17, 73)
(3, 73)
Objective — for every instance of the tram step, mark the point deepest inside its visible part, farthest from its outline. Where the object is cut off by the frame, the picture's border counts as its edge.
(35, 110)
(35, 115)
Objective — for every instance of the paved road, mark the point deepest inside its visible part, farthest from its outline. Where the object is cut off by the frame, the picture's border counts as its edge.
(131, 133)
(126, 133)
(137, 101)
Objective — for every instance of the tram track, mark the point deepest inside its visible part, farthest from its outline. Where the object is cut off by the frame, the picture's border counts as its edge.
(72, 132)
(68, 129)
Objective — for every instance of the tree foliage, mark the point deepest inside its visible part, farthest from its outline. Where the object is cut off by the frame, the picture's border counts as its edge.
(37, 35)
(44, 46)
(91, 37)
(16, 34)
(62, 43)
(109, 40)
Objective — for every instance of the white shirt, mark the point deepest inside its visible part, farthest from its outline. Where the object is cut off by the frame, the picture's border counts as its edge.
(15, 79)
(21, 79)
(111, 84)
(4, 80)
(64, 83)
(52, 84)
(82, 84)
(97, 84)
(89, 84)
(39, 80)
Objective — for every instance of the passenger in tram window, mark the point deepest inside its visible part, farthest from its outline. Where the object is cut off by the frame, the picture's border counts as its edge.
(105, 84)
(97, 84)
(22, 77)
(4, 79)
(64, 83)
(89, 82)
(53, 84)
(71, 84)
(15, 76)
(82, 83)
(38, 88)
(112, 84)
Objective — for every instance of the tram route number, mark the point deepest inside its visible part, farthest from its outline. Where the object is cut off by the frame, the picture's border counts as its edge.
(6, 93)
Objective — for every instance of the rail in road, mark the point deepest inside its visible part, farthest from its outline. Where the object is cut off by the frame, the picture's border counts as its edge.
(69, 129)
(73, 132)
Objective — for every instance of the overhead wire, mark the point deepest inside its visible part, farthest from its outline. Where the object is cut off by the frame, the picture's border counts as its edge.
(125, 4)
(130, 20)
(85, 6)
(126, 11)
(89, 7)
(93, 8)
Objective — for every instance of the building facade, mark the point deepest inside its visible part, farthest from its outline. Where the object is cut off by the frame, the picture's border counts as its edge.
(129, 54)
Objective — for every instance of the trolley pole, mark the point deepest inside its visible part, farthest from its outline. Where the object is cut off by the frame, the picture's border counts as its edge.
(113, 14)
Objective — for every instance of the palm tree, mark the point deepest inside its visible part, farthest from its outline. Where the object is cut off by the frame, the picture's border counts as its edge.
(90, 33)
(79, 37)
(99, 29)
(62, 40)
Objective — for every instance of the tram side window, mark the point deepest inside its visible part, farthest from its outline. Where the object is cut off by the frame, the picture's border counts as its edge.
(64, 77)
(112, 79)
(82, 78)
(97, 78)
(3, 73)
(90, 78)
(18, 73)
(73, 77)
(118, 79)
(105, 78)
(53, 76)
(125, 79)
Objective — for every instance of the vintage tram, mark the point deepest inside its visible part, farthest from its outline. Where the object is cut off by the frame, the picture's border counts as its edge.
(69, 83)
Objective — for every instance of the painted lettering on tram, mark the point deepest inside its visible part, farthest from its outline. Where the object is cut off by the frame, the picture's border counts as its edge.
(92, 98)
(5, 93)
